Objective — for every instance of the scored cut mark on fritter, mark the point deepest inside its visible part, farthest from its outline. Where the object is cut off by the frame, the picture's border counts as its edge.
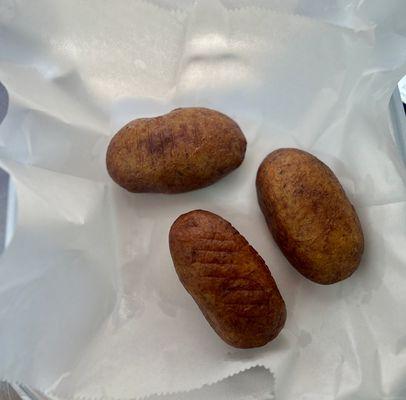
(214, 259)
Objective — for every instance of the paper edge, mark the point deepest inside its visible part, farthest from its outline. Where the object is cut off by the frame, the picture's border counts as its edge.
(185, 11)
(222, 377)
(175, 11)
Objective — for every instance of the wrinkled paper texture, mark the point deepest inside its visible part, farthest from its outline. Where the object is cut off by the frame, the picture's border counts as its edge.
(90, 304)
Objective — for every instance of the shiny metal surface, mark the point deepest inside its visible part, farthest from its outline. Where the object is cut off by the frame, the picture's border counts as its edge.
(7, 392)
(398, 120)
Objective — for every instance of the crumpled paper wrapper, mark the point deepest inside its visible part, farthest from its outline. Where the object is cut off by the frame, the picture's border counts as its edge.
(90, 305)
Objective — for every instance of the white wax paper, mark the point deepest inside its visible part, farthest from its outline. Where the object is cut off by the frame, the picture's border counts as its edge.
(90, 305)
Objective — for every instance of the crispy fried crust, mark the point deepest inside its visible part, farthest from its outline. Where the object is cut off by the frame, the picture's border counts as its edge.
(187, 149)
(309, 215)
(227, 278)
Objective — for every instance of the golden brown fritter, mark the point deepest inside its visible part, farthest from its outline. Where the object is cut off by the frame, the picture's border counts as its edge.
(309, 215)
(227, 278)
(186, 149)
